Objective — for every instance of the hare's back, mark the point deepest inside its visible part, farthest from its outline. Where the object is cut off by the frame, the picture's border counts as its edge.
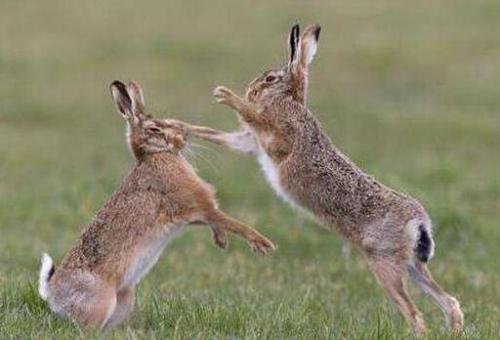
(117, 228)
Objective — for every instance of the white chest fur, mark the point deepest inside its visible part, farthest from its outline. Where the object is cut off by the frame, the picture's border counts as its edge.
(147, 255)
(271, 172)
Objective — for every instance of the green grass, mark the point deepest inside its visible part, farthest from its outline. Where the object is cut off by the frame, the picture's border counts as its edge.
(410, 90)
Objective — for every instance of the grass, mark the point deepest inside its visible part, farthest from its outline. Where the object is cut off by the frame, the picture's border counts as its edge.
(408, 89)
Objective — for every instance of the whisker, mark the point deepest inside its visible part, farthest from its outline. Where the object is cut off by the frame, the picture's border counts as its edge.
(191, 156)
(204, 147)
(208, 161)
(195, 156)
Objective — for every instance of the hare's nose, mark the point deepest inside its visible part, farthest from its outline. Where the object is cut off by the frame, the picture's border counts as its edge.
(179, 141)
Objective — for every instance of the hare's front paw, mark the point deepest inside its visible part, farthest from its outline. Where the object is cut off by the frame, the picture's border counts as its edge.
(220, 237)
(223, 95)
(262, 245)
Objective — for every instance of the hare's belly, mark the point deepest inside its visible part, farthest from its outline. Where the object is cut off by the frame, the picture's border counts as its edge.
(146, 256)
(271, 172)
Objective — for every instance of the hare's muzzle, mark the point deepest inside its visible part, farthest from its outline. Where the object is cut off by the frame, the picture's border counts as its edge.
(178, 142)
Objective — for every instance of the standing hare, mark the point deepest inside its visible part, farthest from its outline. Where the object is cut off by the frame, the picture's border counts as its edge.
(94, 285)
(392, 230)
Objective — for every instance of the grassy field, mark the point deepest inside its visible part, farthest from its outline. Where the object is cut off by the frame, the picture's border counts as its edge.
(410, 90)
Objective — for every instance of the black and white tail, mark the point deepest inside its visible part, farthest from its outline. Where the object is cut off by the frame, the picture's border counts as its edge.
(424, 248)
(46, 272)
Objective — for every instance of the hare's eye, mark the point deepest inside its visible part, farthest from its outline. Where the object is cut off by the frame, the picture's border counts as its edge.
(154, 129)
(270, 79)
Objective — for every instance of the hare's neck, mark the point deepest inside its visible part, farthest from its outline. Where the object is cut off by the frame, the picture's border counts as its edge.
(163, 157)
(165, 162)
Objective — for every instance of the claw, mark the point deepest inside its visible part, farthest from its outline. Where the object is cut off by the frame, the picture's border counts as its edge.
(263, 246)
(222, 94)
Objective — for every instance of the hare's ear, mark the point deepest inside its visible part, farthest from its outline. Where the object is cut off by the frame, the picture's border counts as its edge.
(308, 44)
(293, 45)
(122, 99)
(137, 96)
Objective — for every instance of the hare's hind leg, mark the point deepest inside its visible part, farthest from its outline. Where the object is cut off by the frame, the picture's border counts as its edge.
(391, 277)
(96, 311)
(219, 220)
(84, 299)
(448, 304)
(125, 300)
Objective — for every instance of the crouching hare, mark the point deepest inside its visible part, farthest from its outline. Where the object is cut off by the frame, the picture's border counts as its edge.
(300, 162)
(94, 285)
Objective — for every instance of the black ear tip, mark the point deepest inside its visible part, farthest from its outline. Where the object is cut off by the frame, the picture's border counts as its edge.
(118, 84)
(296, 29)
(317, 31)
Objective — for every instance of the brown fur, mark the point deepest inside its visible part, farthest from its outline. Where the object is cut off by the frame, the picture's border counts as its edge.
(94, 285)
(387, 226)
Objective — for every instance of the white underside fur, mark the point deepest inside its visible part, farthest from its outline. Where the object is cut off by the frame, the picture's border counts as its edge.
(47, 265)
(272, 175)
(147, 256)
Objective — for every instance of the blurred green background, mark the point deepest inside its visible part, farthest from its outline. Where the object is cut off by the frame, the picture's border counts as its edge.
(410, 90)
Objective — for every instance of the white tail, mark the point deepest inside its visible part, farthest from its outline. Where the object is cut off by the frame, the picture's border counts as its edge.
(45, 273)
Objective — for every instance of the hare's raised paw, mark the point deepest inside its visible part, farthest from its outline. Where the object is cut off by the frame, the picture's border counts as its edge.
(262, 245)
(223, 95)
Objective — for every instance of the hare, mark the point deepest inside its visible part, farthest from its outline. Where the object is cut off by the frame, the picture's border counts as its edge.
(94, 285)
(392, 230)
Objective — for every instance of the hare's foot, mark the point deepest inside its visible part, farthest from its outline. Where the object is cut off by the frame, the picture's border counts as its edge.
(261, 245)
(455, 317)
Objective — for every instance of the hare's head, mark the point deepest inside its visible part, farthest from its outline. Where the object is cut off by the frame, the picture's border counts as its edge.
(291, 78)
(145, 135)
